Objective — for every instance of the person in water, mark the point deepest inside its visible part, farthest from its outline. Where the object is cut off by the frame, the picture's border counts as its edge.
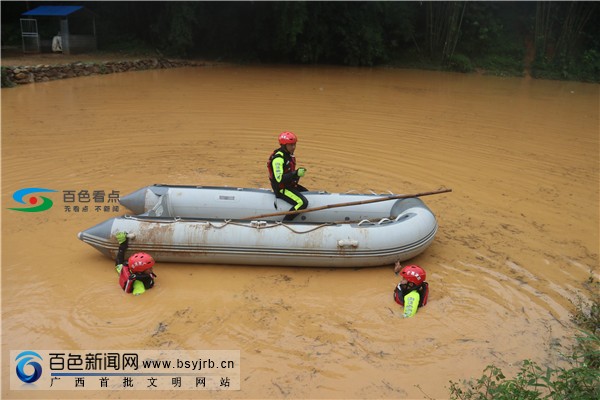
(137, 274)
(412, 291)
(284, 176)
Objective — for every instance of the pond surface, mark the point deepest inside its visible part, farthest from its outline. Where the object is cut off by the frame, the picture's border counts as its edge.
(517, 240)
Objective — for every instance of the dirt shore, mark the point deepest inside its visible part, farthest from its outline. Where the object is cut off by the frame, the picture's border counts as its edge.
(20, 68)
(15, 57)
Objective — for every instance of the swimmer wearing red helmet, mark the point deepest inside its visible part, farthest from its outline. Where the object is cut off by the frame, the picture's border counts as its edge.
(136, 275)
(413, 290)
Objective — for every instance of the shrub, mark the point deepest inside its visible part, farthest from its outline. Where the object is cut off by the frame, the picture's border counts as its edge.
(581, 381)
(590, 66)
(502, 65)
(460, 63)
(585, 68)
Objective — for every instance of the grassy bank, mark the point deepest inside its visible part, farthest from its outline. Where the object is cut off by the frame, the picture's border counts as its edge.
(580, 381)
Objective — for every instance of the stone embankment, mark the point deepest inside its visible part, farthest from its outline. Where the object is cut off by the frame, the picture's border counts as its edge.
(18, 75)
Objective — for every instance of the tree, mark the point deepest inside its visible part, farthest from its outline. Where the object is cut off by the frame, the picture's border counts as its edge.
(558, 27)
(443, 25)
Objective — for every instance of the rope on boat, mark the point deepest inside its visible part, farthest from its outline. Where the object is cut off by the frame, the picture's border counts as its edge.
(262, 225)
(265, 224)
(252, 224)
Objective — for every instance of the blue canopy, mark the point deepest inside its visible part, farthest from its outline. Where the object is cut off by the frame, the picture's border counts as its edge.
(52, 11)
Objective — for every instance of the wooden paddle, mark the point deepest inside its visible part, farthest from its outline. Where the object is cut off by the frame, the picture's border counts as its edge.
(352, 203)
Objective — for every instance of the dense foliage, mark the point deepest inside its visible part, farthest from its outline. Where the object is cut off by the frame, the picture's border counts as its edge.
(549, 39)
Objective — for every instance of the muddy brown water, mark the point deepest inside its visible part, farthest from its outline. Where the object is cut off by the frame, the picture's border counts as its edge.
(518, 236)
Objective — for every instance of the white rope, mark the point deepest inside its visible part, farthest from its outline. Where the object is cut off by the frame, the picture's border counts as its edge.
(262, 224)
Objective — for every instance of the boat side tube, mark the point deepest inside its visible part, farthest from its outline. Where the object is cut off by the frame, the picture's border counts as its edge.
(241, 203)
(357, 244)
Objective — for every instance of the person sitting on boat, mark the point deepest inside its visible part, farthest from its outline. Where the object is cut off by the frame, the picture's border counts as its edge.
(137, 274)
(412, 291)
(284, 176)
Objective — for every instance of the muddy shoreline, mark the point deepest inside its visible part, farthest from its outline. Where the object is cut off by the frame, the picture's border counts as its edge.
(19, 75)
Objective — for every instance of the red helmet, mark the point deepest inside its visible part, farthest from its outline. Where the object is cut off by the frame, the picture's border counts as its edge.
(139, 262)
(414, 274)
(287, 138)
